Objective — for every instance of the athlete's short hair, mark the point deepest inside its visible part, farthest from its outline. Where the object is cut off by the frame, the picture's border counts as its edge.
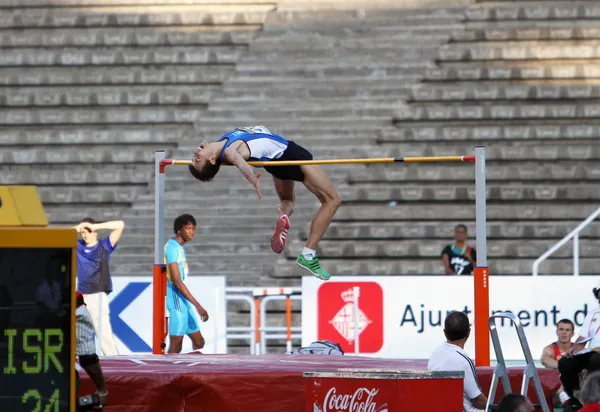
(567, 321)
(456, 326)
(206, 172)
(181, 221)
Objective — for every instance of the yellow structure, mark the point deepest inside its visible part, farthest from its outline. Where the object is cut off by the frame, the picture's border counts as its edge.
(21, 206)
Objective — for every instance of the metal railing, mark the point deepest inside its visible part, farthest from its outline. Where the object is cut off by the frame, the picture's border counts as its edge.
(574, 234)
(258, 333)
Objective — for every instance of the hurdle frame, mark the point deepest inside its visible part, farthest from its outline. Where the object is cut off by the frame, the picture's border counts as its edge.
(480, 273)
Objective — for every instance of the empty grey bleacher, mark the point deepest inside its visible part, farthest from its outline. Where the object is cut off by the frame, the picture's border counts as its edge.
(523, 78)
(89, 89)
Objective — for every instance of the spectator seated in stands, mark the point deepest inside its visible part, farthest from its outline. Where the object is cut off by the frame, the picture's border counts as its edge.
(451, 356)
(590, 393)
(565, 330)
(458, 257)
(515, 402)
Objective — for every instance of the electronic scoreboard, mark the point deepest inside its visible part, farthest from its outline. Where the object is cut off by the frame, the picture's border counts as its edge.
(37, 319)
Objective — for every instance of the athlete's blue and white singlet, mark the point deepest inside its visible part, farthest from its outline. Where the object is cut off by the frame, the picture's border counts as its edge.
(263, 144)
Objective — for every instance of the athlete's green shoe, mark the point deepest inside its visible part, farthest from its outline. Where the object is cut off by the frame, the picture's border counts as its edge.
(313, 267)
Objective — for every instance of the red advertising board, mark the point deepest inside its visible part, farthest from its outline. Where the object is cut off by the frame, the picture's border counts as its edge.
(361, 391)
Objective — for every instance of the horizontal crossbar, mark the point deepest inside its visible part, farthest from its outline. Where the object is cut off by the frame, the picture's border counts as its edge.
(430, 159)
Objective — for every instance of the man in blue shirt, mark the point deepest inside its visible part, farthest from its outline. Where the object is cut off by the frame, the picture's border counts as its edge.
(93, 274)
(180, 301)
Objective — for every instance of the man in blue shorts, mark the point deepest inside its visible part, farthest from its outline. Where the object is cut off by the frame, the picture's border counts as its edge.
(257, 143)
(180, 302)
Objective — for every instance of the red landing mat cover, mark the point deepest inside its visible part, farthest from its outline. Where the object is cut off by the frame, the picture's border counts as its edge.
(243, 383)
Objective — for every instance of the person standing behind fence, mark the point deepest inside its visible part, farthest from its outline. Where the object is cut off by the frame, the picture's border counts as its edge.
(180, 301)
(93, 274)
(458, 257)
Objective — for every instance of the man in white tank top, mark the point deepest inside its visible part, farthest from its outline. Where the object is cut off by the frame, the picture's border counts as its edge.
(257, 143)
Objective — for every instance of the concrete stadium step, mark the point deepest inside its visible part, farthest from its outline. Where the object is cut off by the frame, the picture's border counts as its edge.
(212, 125)
(514, 110)
(233, 277)
(87, 194)
(499, 266)
(505, 210)
(514, 70)
(301, 100)
(530, 24)
(345, 40)
(520, 50)
(114, 114)
(63, 3)
(415, 19)
(109, 56)
(227, 207)
(68, 215)
(164, 136)
(325, 70)
(203, 265)
(341, 56)
(107, 95)
(507, 90)
(503, 191)
(252, 92)
(264, 110)
(127, 36)
(534, 11)
(397, 249)
(335, 35)
(127, 16)
(443, 230)
(540, 150)
(298, 131)
(119, 75)
(526, 33)
(383, 211)
(495, 171)
(61, 155)
(222, 220)
(72, 174)
(558, 130)
(208, 247)
(211, 236)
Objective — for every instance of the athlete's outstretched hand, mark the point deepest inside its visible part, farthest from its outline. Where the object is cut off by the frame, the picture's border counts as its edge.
(256, 183)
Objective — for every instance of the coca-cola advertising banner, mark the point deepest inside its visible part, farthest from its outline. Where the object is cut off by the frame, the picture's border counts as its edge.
(373, 392)
(403, 316)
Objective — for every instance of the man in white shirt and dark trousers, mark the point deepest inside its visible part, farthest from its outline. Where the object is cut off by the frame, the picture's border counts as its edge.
(573, 363)
(451, 356)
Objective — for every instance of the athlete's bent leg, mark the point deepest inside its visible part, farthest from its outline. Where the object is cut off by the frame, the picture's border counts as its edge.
(175, 344)
(317, 182)
(285, 191)
(197, 340)
(287, 196)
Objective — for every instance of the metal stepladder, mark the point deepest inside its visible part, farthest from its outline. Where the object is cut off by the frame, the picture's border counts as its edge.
(500, 371)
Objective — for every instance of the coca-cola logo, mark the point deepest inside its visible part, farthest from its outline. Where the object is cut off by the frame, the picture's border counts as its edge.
(360, 401)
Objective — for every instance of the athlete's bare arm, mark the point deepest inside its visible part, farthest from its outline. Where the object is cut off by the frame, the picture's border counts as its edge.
(178, 283)
(237, 155)
(548, 358)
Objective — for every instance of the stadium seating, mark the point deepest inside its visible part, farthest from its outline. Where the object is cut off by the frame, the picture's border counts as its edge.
(89, 93)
